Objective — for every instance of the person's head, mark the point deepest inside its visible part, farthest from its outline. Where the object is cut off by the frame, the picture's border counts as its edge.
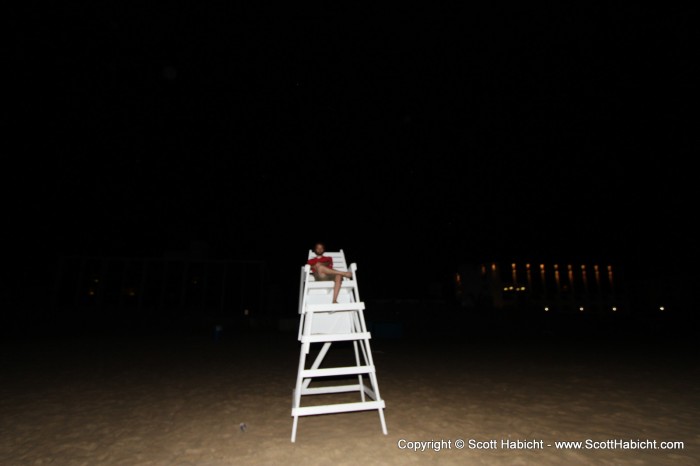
(319, 249)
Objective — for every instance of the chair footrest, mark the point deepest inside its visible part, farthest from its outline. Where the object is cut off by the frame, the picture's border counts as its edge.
(322, 338)
(329, 372)
(338, 408)
(335, 307)
(334, 389)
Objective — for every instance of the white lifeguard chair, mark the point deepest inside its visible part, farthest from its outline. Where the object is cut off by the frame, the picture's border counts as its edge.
(323, 322)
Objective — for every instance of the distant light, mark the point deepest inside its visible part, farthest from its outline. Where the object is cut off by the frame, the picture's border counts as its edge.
(614, 309)
(510, 287)
(493, 267)
(580, 308)
(583, 267)
(522, 288)
(91, 293)
(505, 288)
(527, 266)
(541, 266)
(595, 267)
(546, 309)
(661, 308)
(609, 268)
(512, 265)
(556, 266)
(246, 312)
(97, 280)
(568, 266)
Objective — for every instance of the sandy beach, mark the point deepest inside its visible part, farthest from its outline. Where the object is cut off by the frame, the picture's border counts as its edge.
(189, 400)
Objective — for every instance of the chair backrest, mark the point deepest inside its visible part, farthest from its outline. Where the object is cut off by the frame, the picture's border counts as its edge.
(333, 322)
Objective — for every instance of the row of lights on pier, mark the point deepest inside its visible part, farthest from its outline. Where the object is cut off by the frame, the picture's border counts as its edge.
(542, 267)
(581, 309)
(614, 308)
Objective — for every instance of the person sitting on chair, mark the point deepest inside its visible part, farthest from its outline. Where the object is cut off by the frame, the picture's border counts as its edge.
(322, 269)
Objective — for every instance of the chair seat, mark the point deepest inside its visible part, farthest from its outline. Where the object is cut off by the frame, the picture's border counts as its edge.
(330, 284)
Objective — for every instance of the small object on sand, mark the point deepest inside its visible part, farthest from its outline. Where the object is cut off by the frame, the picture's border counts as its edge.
(243, 426)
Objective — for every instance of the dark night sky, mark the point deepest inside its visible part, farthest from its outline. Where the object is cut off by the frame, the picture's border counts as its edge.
(519, 132)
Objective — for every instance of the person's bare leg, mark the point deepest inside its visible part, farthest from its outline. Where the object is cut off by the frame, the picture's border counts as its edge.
(324, 270)
(336, 287)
